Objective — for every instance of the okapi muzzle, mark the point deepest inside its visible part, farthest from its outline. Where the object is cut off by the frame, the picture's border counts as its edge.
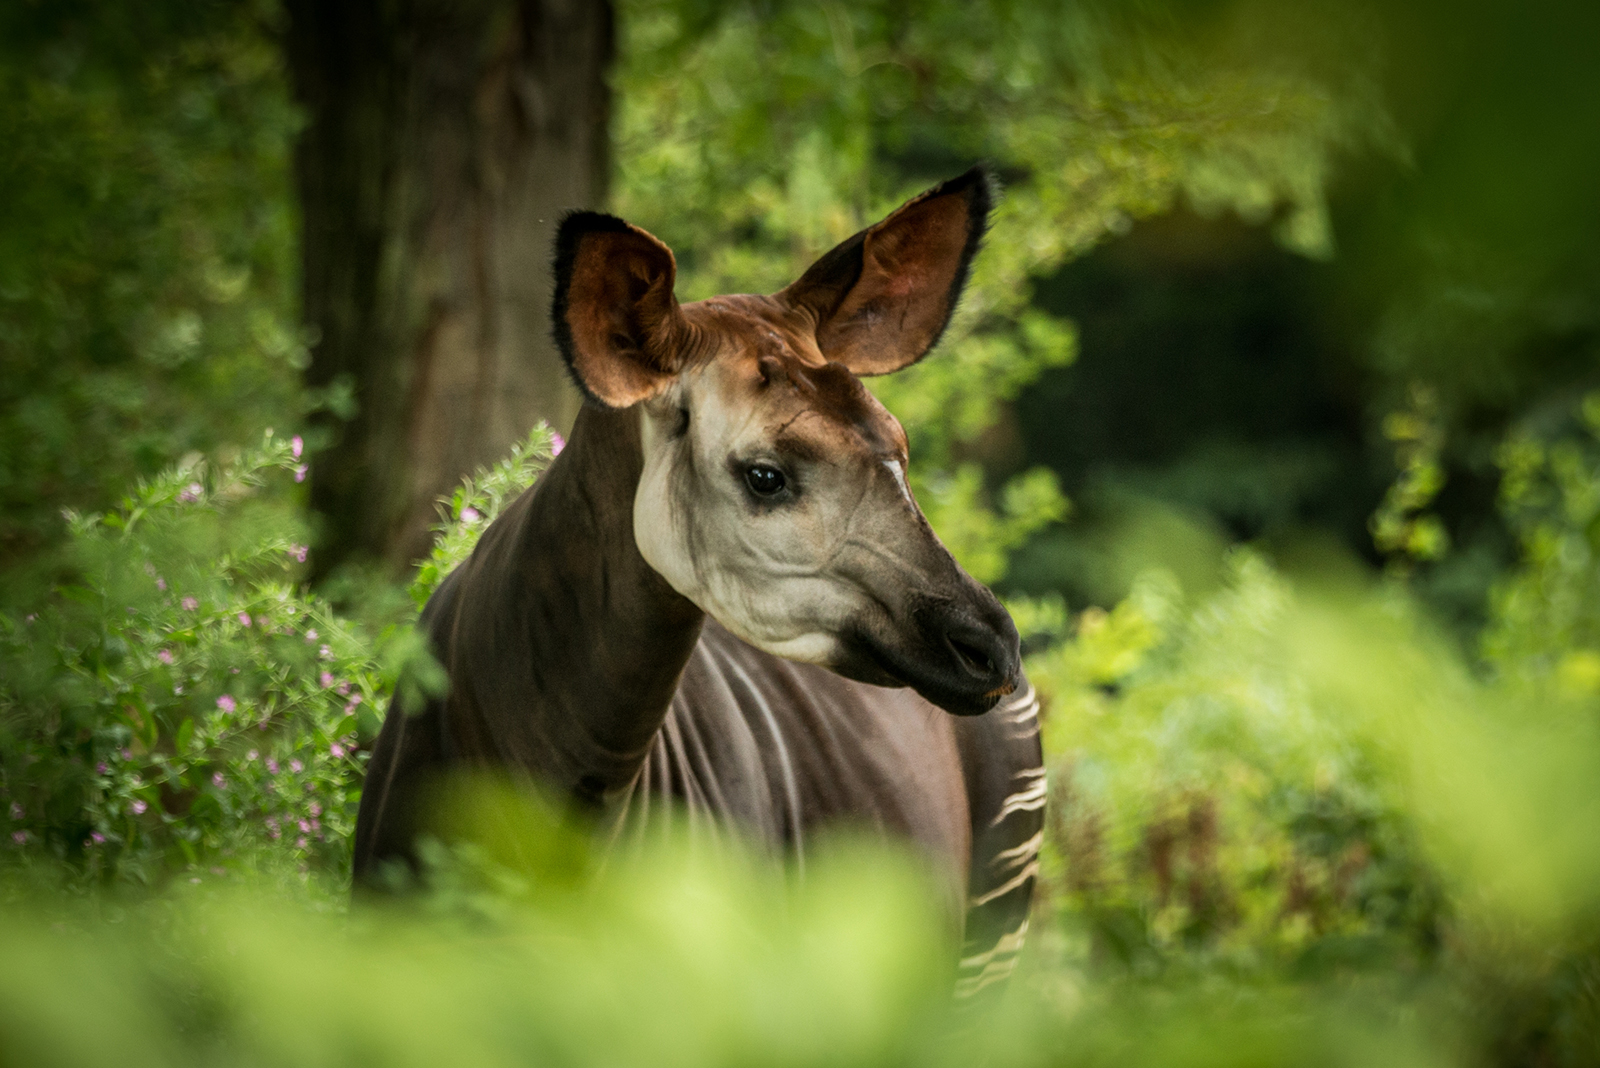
(773, 493)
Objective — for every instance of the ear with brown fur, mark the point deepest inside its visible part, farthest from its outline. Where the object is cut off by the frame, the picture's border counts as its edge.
(615, 318)
(882, 298)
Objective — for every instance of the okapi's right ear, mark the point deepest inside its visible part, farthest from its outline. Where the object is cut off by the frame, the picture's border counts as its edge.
(615, 317)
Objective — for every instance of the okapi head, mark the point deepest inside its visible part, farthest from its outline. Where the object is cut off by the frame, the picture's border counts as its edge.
(774, 492)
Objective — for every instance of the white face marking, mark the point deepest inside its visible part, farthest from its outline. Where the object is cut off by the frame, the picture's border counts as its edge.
(899, 474)
(787, 578)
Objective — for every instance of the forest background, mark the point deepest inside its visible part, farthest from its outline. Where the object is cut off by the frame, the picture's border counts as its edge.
(1272, 411)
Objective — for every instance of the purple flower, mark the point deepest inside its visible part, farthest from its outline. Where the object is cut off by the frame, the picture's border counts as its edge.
(296, 446)
(344, 689)
(138, 807)
(470, 514)
(251, 755)
(325, 653)
(312, 635)
(272, 765)
(100, 768)
(226, 703)
(16, 811)
(21, 837)
(233, 671)
(298, 552)
(97, 838)
(191, 492)
(189, 604)
(326, 679)
(316, 809)
(127, 754)
(244, 619)
(305, 826)
(161, 584)
(337, 750)
(296, 767)
(300, 472)
(350, 705)
(217, 780)
(557, 443)
(165, 656)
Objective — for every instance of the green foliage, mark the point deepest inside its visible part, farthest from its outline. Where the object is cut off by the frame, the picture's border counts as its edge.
(1208, 810)
(181, 703)
(146, 251)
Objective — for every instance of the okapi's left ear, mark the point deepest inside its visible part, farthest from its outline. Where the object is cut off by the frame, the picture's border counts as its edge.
(882, 298)
(615, 317)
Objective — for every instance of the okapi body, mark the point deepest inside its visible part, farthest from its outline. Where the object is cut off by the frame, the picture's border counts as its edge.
(721, 597)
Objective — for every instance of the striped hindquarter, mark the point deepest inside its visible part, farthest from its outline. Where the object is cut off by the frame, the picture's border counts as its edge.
(785, 750)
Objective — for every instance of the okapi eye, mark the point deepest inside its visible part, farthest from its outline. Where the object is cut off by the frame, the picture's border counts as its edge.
(764, 480)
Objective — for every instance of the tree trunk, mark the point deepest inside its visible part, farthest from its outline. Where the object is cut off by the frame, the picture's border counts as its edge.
(444, 140)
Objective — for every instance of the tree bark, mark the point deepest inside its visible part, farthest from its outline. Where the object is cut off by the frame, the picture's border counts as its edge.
(445, 138)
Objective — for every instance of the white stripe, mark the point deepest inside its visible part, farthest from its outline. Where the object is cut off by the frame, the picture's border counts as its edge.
(791, 788)
(1009, 885)
(1008, 943)
(1028, 799)
(1016, 854)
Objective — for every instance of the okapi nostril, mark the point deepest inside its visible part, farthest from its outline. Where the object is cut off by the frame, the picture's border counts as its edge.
(972, 657)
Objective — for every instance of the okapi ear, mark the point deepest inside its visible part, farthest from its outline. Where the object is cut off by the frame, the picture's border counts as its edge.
(882, 298)
(615, 318)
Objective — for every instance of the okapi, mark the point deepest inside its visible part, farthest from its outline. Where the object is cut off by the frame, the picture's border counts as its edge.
(722, 593)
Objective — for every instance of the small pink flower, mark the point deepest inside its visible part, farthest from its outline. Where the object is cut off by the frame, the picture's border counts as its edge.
(178, 689)
(127, 754)
(298, 552)
(312, 635)
(296, 446)
(191, 492)
(101, 769)
(557, 443)
(296, 767)
(344, 689)
(316, 809)
(300, 843)
(470, 514)
(272, 765)
(252, 755)
(276, 833)
(138, 807)
(161, 584)
(337, 750)
(233, 671)
(189, 604)
(165, 656)
(97, 838)
(30, 617)
(325, 653)
(326, 679)
(217, 780)
(21, 837)
(300, 472)
(16, 811)
(227, 703)
(305, 826)
(350, 705)
(244, 619)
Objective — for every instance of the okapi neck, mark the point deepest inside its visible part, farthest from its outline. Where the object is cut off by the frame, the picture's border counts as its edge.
(567, 647)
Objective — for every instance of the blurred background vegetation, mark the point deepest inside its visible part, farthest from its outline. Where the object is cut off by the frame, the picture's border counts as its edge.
(1272, 410)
